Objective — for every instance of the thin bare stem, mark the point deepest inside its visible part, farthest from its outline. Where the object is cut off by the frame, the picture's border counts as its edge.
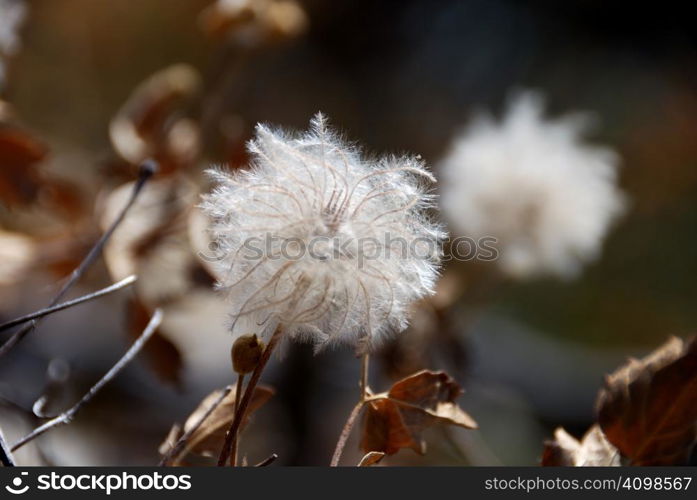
(267, 461)
(365, 389)
(232, 434)
(175, 451)
(65, 305)
(350, 422)
(67, 416)
(6, 457)
(346, 432)
(147, 170)
(238, 392)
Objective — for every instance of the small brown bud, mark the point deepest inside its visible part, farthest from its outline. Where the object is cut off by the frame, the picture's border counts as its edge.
(246, 352)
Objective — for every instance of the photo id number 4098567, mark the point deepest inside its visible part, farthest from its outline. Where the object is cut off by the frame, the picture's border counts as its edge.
(656, 483)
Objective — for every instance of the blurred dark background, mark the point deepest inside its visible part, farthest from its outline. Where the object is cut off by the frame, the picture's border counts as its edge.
(395, 76)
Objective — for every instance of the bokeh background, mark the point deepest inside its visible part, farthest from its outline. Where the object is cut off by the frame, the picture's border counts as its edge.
(395, 76)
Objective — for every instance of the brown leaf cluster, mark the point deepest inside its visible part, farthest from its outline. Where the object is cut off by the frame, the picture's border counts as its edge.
(371, 458)
(647, 414)
(25, 188)
(20, 155)
(23, 182)
(154, 244)
(648, 408)
(152, 123)
(205, 439)
(397, 419)
(255, 22)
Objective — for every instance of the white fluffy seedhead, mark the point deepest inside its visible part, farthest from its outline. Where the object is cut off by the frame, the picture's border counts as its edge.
(330, 245)
(534, 185)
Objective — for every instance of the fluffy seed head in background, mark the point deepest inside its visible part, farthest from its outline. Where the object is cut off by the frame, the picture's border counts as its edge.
(533, 184)
(335, 231)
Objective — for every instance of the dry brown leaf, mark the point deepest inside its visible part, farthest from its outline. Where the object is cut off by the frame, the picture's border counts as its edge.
(209, 437)
(593, 450)
(61, 253)
(171, 440)
(21, 182)
(648, 408)
(151, 123)
(64, 199)
(20, 154)
(163, 357)
(396, 419)
(153, 242)
(17, 255)
(371, 458)
(255, 22)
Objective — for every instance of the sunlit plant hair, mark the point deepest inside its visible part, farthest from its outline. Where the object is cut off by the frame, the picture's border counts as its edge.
(535, 185)
(314, 187)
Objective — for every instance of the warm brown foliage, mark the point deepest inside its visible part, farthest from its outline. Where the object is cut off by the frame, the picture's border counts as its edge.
(154, 243)
(371, 458)
(647, 414)
(208, 437)
(20, 154)
(396, 419)
(648, 408)
(151, 124)
(258, 21)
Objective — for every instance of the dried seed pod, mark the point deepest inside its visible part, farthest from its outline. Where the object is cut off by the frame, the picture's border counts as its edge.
(246, 352)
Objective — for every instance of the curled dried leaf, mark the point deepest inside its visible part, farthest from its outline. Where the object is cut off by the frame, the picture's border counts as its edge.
(648, 407)
(20, 154)
(592, 450)
(396, 419)
(171, 440)
(254, 22)
(152, 122)
(153, 241)
(371, 458)
(207, 439)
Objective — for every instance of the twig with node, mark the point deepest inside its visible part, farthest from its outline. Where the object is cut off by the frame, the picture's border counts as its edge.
(353, 416)
(146, 171)
(67, 416)
(6, 457)
(70, 303)
(173, 454)
(256, 355)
